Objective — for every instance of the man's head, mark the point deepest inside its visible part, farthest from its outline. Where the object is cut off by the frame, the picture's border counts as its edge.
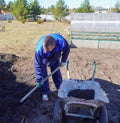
(49, 44)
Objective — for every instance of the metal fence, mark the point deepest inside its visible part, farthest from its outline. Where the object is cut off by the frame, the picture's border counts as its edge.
(6, 17)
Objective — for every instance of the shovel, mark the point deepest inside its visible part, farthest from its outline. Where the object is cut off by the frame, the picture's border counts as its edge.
(42, 82)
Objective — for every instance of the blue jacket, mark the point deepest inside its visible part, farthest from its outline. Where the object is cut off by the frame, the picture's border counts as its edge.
(61, 50)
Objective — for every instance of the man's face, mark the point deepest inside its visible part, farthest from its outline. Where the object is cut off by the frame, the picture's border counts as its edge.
(48, 49)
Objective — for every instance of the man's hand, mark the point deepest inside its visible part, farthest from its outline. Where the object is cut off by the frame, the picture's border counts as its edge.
(38, 84)
(62, 64)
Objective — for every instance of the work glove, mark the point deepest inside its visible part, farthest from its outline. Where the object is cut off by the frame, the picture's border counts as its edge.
(38, 84)
(62, 64)
(48, 64)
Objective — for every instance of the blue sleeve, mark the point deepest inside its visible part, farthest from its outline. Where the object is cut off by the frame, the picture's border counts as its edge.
(39, 67)
(64, 48)
(65, 51)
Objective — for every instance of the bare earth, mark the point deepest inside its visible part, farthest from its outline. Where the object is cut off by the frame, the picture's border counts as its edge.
(17, 78)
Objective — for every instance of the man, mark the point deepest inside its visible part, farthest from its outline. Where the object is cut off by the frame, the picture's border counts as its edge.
(51, 50)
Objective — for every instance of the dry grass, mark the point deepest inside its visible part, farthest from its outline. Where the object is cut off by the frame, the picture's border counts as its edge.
(20, 39)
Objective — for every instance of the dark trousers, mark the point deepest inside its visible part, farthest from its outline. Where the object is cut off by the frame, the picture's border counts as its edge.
(57, 78)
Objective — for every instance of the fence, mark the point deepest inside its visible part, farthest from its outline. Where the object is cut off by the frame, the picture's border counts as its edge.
(6, 17)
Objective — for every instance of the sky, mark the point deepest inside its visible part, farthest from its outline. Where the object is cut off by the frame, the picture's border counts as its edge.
(77, 3)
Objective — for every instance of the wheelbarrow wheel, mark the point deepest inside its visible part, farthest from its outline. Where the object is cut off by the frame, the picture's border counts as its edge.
(57, 114)
(102, 114)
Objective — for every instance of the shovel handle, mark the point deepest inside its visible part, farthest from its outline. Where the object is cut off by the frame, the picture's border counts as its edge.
(42, 82)
(28, 94)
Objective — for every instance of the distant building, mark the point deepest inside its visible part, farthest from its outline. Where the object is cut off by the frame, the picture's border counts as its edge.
(68, 17)
(47, 17)
(100, 10)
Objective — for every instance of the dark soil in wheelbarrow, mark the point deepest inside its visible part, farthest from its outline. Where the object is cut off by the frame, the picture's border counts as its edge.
(17, 79)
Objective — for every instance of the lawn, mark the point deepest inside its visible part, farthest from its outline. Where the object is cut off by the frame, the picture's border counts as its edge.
(20, 39)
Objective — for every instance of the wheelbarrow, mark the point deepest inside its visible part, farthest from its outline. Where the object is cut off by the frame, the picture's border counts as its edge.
(81, 101)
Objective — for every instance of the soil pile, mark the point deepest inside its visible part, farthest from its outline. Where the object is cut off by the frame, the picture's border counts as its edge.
(16, 80)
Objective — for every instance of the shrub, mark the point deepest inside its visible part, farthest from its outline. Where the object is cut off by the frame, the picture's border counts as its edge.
(39, 21)
(22, 20)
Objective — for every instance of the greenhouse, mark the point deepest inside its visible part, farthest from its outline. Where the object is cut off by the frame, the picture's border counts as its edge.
(95, 30)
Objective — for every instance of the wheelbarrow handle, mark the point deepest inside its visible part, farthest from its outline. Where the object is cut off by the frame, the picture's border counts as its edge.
(42, 82)
(67, 68)
(94, 65)
(94, 71)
